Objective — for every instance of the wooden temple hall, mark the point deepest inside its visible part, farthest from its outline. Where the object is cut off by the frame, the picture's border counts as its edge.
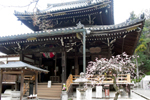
(68, 35)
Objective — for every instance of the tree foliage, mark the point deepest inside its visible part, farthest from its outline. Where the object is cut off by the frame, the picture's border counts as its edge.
(119, 64)
(143, 47)
(132, 16)
(123, 64)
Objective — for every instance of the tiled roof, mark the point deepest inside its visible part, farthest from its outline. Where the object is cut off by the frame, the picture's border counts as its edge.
(67, 6)
(23, 65)
(68, 30)
(70, 5)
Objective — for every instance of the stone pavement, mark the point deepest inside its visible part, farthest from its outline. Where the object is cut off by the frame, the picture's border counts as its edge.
(134, 96)
(142, 92)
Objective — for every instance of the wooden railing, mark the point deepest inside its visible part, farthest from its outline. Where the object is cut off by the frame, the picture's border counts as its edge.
(69, 81)
(29, 77)
(122, 78)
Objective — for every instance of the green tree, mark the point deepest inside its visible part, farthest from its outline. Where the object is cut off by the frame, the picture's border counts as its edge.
(143, 47)
(132, 16)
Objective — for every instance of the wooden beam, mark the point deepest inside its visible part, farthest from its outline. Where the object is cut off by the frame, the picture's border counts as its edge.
(28, 57)
(72, 54)
(46, 49)
(1, 78)
(13, 55)
(36, 82)
(21, 85)
(42, 42)
(12, 72)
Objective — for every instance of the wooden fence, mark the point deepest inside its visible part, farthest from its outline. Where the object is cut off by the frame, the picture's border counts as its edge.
(122, 78)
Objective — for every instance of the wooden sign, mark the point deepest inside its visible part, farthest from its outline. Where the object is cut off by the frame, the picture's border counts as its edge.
(95, 50)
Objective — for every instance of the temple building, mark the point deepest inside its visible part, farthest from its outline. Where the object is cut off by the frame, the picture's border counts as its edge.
(68, 35)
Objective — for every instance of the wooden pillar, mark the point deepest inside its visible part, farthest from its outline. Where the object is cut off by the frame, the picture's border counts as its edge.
(76, 65)
(55, 64)
(1, 79)
(40, 63)
(64, 67)
(109, 52)
(21, 56)
(36, 82)
(129, 91)
(17, 85)
(84, 51)
(21, 86)
(17, 81)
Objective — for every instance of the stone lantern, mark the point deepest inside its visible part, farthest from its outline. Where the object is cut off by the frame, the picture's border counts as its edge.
(80, 92)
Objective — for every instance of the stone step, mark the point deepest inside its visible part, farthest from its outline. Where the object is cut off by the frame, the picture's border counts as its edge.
(49, 94)
(51, 85)
(52, 93)
(49, 98)
(45, 83)
(57, 88)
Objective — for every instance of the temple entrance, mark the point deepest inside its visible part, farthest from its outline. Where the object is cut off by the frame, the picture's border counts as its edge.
(70, 67)
(49, 64)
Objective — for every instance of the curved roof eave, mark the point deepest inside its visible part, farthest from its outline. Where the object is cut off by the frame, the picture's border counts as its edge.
(69, 30)
(65, 7)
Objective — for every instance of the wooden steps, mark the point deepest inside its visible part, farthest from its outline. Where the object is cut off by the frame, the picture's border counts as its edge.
(49, 93)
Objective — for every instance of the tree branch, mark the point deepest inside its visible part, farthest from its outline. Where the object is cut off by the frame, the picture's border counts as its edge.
(34, 1)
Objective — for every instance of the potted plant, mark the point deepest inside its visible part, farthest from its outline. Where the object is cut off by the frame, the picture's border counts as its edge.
(64, 87)
(64, 92)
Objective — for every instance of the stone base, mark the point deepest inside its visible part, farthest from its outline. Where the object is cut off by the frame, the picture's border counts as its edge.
(64, 95)
(98, 91)
(80, 95)
(88, 94)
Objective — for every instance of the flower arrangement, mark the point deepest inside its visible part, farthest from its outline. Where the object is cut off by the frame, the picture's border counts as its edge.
(64, 87)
